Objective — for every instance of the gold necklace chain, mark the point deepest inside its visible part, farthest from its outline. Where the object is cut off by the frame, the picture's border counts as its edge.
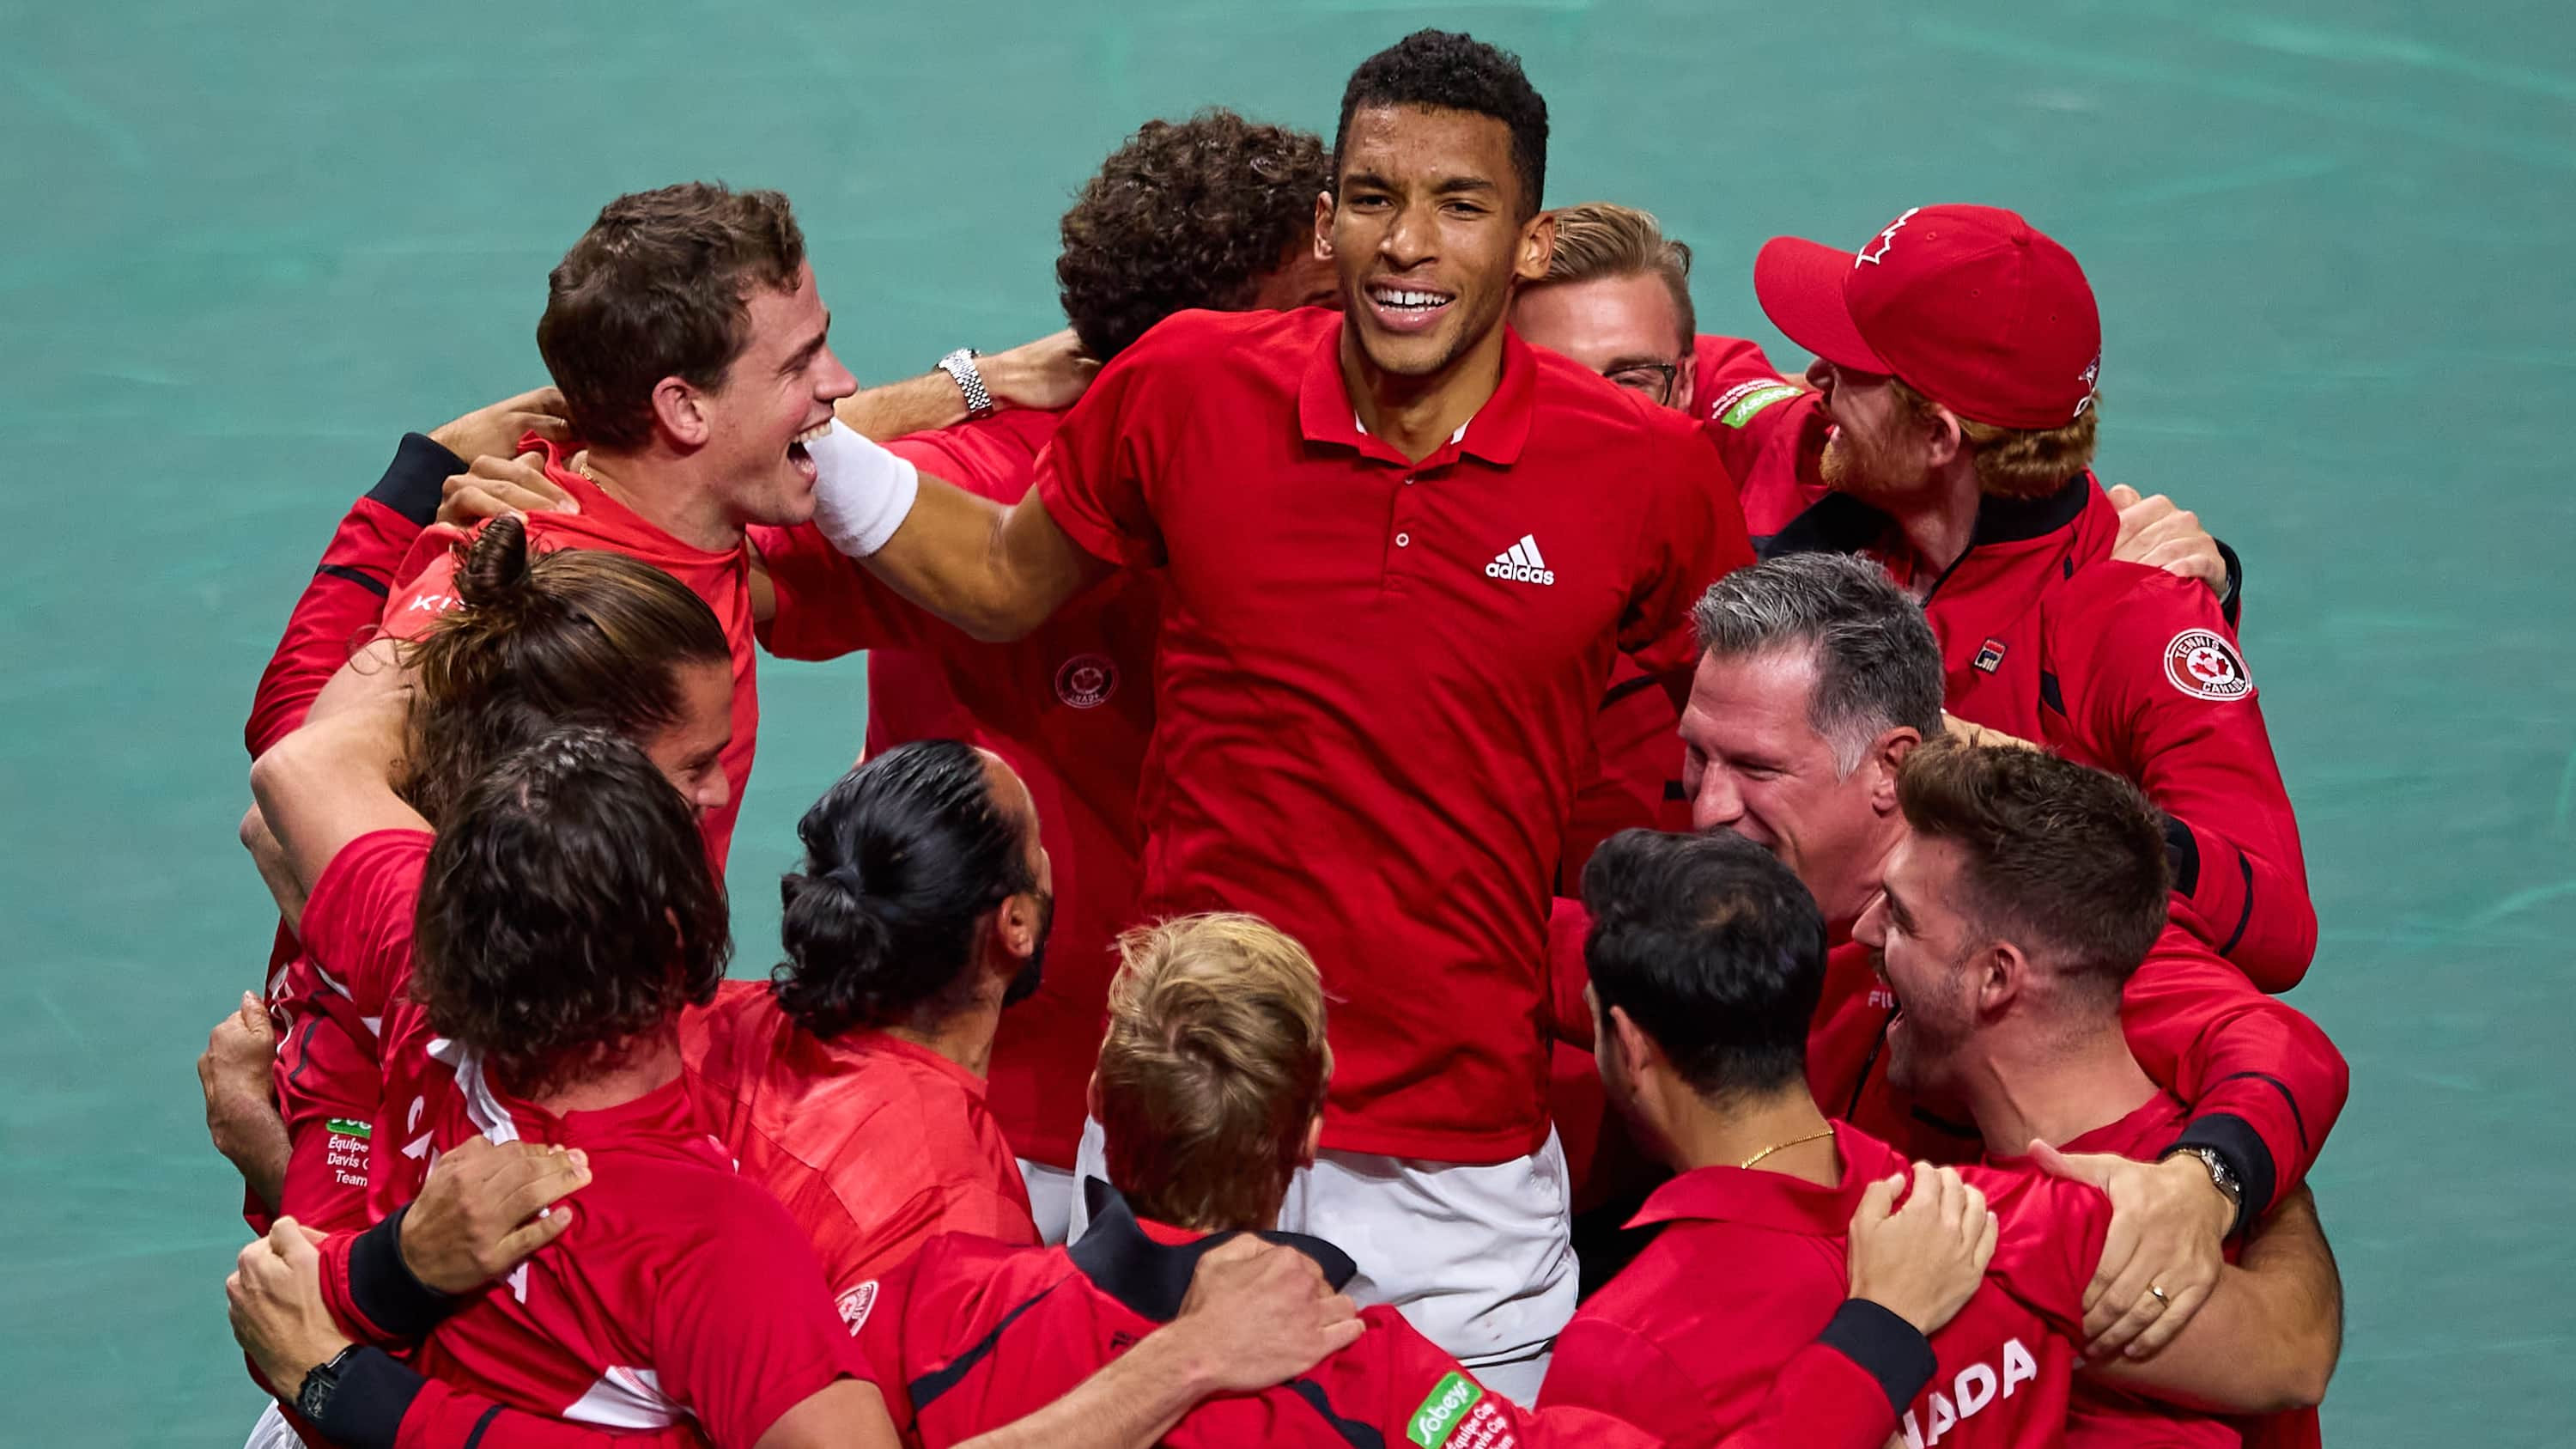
(1785, 1146)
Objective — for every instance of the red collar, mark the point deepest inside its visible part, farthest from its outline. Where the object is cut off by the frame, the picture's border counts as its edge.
(1775, 1199)
(1496, 433)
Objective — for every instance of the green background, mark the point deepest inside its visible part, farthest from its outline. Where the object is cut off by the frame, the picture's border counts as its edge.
(248, 245)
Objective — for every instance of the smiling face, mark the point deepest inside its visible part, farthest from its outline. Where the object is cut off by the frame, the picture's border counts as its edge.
(1428, 231)
(1926, 949)
(775, 398)
(1624, 328)
(1878, 447)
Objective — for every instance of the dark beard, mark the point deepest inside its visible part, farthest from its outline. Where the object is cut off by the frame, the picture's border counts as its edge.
(1025, 984)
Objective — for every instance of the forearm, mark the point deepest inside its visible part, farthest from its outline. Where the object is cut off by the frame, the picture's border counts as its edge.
(914, 405)
(2267, 1339)
(2247, 897)
(274, 872)
(992, 571)
(251, 1135)
(1132, 1402)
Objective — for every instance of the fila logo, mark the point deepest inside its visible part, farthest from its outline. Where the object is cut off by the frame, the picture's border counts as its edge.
(1975, 1387)
(1886, 239)
(1521, 564)
(1991, 657)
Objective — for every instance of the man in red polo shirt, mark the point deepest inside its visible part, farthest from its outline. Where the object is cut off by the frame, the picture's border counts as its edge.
(1707, 959)
(1957, 355)
(1399, 551)
(1818, 678)
(2020, 899)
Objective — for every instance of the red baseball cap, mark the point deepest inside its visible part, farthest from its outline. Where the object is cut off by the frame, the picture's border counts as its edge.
(1972, 306)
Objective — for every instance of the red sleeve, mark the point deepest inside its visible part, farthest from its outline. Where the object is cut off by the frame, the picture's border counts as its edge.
(1611, 1369)
(1760, 423)
(2264, 1083)
(347, 594)
(1093, 475)
(1568, 924)
(442, 1416)
(358, 920)
(2168, 697)
(1695, 539)
(743, 1330)
(2050, 1240)
(829, 604)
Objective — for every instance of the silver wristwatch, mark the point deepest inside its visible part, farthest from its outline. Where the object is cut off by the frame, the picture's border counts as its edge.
(2221, 1176)
(961, 366)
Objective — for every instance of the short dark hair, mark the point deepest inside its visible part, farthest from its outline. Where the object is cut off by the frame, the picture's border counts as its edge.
(1446, 71)
(1878, 665)
(1714, 949)
(1184, 215)
(2065, 861)
(903, 856)
(567, 909)
(660, 286)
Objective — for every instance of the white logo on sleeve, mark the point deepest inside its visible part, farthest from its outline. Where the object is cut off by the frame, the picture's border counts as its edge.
(1521, 564)
(1886, 239)
(2202, 664)
(854, 1305)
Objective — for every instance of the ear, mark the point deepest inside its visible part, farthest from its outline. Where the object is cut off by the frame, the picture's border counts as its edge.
(1683, 389)
(1538, 248)
(1016, 925)
(1636, 1048)
(1314, 1141)
(680, 409)
(1324, 225)
(1887, 756)
(2002, 974)
(1943, 440)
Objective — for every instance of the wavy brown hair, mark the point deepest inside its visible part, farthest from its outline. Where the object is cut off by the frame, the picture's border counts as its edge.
(2018, 462)
(1183, 215)
(572, 636)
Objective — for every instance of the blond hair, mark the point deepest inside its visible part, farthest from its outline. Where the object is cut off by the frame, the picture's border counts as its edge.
(1599, 239)
(2018, 462)
(1213, 1069)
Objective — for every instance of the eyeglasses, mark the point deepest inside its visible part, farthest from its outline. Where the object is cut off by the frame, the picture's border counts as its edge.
(1654, 379)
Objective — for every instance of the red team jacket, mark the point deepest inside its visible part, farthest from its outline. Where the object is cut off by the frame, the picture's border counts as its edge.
(1730, 1327)
(971, 1335)
(2045, 637)
(872, 1142)
(1070, 707)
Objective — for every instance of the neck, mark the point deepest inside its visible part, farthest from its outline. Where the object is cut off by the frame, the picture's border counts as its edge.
(1415, 415)
(964, 1036)
(1707, 1134)
(649, 1064)
(1939, 521)
(660, 490)
(2054, 1092)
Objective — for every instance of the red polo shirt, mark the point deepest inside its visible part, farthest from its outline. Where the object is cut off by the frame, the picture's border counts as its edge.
(1714, 1330)
(2264, 1083)
(2129, 669)
(873, 1143)
(1070, 707)
(720, 578)
(1770, 431)
(979, 1335)
(1376, 677)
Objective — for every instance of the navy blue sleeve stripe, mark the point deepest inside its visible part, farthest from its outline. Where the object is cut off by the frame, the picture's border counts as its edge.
(2182, 852)
(2298, 1119)
(367, 581)
(2245, 917)
(1354, 1432)
(939, 1381)
(482, 1424)
(416, 480)
(367, 1405)
(1885, 1346)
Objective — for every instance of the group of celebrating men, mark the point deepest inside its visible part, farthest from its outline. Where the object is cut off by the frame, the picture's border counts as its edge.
(1515, 769)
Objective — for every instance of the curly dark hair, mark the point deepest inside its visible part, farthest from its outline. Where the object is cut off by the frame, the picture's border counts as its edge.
(1189, 214)
(567, 909)
(1447, 71)
(903, 858)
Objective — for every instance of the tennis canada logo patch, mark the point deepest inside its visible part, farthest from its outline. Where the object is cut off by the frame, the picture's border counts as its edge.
(855, 1304)
(1087, 680)
(2205, 666)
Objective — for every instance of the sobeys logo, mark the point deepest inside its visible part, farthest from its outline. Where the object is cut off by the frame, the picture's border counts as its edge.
(348, 1127)
(1449, 1401)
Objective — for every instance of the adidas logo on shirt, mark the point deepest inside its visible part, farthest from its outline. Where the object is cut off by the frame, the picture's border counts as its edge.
(1521, 564)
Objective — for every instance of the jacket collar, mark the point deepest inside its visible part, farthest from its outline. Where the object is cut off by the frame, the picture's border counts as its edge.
(1152, 1278)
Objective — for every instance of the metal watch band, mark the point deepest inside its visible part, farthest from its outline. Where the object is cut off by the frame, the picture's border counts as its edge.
(960, 365)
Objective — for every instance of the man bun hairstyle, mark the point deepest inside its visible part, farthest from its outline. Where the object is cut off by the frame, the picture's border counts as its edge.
(1714, 949)
(570, 636)
(1878, 666)
(1443, 70)
(1185, 215)
(904, 858)
(661, 286)
(568, 908)
(2065, 861)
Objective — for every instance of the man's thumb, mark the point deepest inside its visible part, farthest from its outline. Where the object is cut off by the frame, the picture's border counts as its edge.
(2058, 1164)
(1876, 1201)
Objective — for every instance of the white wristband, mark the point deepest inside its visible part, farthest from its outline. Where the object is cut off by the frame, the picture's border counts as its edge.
(862, 493)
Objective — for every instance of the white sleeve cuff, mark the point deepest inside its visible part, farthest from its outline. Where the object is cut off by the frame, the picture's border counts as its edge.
(862, 492)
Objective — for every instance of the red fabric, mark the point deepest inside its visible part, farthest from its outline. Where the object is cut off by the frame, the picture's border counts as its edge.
(1707, 1338)
(873, 1143)
(1363, 735)
(331, 619)
(1771, 434)
(1978, 309)
(722, 579)
(1637, 779)
(1070, 707)
(956, 1294)
(2196, 1026)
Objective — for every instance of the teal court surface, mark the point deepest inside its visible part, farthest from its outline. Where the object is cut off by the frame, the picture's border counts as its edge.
(248, 246)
